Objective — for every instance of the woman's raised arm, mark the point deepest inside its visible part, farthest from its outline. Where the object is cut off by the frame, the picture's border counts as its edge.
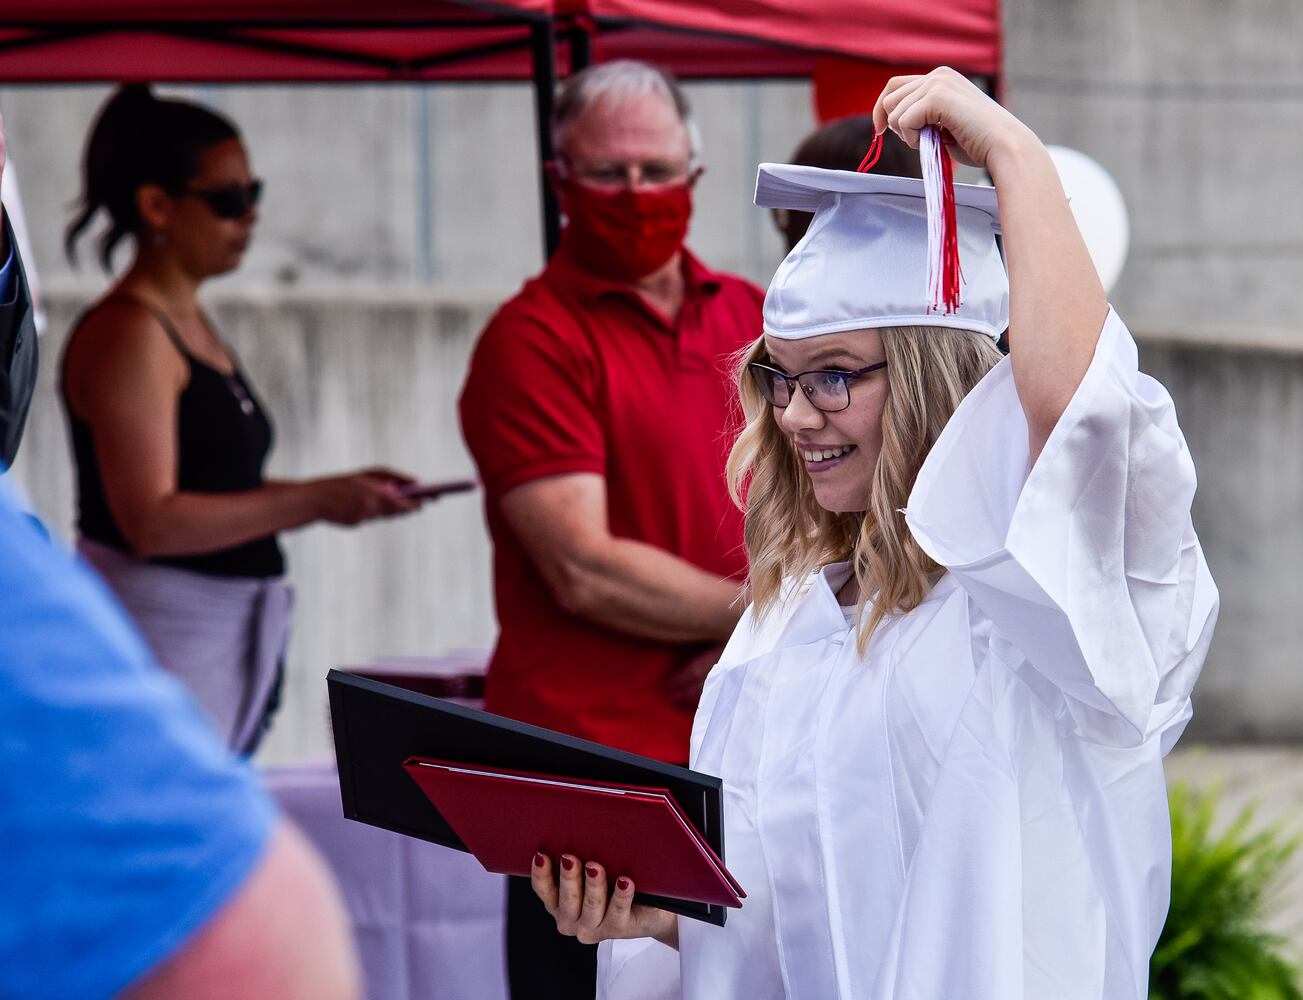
(1057, 306)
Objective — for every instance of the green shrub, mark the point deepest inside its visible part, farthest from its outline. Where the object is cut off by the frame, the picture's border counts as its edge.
(1213, 946)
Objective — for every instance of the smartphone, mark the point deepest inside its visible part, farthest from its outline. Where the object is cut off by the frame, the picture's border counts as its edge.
(432, 491)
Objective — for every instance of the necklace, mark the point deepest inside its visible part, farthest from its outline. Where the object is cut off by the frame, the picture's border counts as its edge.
(239, 392)
(232, 378)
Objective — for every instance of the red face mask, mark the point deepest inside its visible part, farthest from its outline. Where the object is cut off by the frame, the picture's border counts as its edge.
(626, 234)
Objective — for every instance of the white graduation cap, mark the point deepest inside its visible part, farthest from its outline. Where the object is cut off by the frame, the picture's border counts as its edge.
(864, 262)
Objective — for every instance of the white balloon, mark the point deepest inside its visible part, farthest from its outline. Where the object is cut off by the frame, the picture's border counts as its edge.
(1099, 209)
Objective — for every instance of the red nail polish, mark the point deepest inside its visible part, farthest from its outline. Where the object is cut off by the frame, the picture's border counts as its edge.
(539, 859)
(590, 871)
(567, 862)
(622, 884)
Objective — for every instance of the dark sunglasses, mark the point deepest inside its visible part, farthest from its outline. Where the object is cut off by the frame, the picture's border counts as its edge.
(234, 201)
(829, 391)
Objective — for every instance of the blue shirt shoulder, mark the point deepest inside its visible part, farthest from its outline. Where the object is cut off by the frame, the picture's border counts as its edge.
(125, 822)
(8, 291)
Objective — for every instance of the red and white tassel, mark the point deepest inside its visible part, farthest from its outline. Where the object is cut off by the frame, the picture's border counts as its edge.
(943, 271)
(871, 157)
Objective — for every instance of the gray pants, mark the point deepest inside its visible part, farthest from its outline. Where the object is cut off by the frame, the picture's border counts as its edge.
(223, 637)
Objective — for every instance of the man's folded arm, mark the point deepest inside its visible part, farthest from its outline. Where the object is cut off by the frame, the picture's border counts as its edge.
(627, 585)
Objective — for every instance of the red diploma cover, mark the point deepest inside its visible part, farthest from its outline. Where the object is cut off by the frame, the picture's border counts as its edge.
(504, 816)
(500, 789)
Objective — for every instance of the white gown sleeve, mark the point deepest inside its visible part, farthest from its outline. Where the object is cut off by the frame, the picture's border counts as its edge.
(1088, 564)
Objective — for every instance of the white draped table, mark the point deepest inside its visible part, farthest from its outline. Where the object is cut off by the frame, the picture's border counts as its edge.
(428, 920)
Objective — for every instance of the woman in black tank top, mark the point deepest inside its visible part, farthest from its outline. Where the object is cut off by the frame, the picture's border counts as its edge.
(168, 436)
(222, 440)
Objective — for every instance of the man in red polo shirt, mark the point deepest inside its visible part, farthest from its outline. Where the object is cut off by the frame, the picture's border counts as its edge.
(600, 409)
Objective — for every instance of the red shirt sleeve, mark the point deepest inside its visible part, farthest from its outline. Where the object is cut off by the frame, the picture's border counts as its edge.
(527, 408)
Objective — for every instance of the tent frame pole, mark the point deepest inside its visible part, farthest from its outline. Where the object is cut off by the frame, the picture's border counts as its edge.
(543, 45)
(581, 47)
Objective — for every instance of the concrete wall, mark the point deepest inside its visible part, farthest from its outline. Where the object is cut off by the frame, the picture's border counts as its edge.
(1241, 406)
(1196, 109)
(404, 186)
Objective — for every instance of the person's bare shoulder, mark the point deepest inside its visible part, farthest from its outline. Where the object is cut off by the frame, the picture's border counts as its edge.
(119, 341)
(283, 934)
(120, 324)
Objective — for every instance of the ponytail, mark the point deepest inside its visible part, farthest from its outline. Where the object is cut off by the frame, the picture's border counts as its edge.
(139, 139)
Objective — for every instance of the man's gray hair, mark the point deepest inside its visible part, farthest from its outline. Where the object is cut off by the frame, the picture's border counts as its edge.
(620, 80)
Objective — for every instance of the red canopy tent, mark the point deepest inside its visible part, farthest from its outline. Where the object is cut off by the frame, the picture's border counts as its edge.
(50, 41)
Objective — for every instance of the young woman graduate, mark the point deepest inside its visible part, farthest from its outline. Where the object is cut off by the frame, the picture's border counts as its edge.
(979, 606)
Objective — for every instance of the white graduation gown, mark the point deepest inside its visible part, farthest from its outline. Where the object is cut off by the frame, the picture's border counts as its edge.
(975, 809)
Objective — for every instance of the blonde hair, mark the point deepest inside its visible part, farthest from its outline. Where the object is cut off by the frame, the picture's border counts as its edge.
(788, 535)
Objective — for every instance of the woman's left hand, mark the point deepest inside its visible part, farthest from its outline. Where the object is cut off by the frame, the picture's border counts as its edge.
(583, 906)
(1057, 305)
(979, 129)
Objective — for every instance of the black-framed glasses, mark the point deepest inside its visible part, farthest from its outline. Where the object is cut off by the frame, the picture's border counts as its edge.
(634, 174)
(827, 390)
(232, 201)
